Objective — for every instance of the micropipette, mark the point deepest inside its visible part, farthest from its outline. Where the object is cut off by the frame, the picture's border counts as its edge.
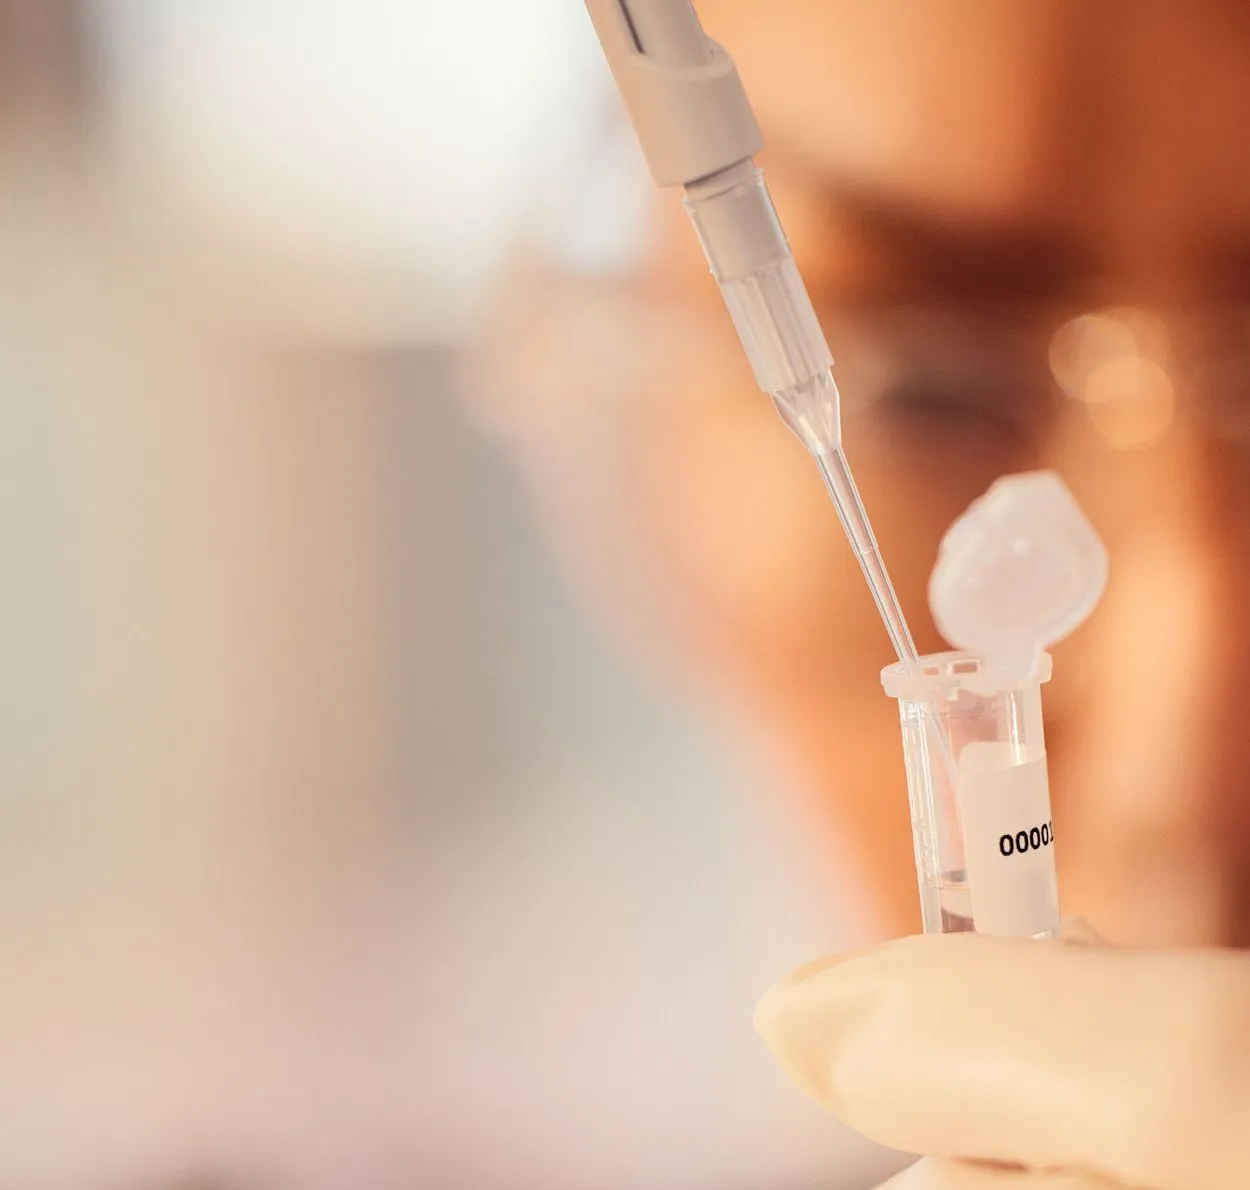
(981, 825)
(697, 130)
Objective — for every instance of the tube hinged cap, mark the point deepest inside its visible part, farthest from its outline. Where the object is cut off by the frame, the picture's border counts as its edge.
(1019, 571)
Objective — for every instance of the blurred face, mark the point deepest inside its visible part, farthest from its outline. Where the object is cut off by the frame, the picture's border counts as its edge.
(1027, 226)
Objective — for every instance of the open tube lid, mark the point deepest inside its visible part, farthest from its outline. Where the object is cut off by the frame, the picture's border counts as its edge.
(1021, 569)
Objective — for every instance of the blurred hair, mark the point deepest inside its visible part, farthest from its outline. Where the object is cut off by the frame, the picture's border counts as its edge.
(46, 59)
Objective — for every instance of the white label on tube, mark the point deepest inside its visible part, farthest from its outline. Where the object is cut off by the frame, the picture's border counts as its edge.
(1008, 842)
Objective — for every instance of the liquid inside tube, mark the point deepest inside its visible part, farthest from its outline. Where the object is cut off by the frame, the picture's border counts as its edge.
(954, 899)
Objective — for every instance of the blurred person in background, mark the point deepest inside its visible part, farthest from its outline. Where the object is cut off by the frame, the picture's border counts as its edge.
(1025, 227)
(212, 963)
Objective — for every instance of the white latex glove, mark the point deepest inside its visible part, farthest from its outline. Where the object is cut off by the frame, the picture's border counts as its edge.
(1021, 1065)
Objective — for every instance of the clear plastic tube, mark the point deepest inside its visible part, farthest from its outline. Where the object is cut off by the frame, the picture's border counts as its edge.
(983, 835)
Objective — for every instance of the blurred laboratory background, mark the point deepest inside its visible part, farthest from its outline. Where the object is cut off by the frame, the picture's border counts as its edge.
(339, 845)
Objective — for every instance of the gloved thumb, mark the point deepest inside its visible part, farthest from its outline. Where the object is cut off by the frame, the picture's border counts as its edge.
(933, 1174)
(1091, 1059)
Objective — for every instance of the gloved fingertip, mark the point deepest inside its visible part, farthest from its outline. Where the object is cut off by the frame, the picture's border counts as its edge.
(776, 1004)
(806, 1016)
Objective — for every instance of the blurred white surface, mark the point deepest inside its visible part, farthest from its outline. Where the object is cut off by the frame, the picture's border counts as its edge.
(337, 850)
(384, 153)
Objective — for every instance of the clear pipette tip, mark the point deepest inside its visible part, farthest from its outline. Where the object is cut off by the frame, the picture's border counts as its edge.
(811, 410)
(836, 472)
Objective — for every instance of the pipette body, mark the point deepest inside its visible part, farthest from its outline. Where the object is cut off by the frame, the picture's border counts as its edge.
(697, 130)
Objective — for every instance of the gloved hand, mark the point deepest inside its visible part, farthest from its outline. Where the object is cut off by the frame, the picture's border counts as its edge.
(1022, 1065)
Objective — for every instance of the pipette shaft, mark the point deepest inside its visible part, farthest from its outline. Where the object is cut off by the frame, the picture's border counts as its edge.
(697, 130)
